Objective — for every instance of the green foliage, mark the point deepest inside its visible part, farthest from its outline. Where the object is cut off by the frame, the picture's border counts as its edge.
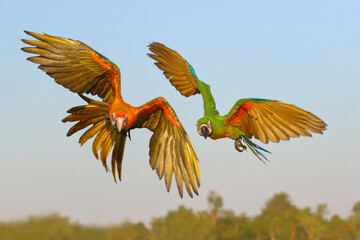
(356, 208)
(215, 203)
(54, 227)
(354, 220)
(279, 219)
(50, 227)
(181, 224)
(338, 228)
(127, 231)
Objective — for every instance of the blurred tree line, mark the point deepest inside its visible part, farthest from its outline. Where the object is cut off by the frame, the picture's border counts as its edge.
(279, 220)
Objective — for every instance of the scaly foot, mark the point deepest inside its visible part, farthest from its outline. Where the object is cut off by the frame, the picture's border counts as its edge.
(239, 146)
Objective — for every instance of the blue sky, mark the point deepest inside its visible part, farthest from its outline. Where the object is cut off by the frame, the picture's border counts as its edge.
(302, 52)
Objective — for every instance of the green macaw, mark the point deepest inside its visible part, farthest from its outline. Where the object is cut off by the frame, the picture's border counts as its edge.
(263, 119)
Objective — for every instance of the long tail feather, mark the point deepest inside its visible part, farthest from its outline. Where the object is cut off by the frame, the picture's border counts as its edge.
(94, 115)
(254, 148)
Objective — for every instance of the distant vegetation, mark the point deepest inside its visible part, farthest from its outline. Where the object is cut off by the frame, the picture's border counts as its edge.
(279, 220)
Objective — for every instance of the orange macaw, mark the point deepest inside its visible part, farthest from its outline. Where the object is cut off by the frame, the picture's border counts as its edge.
(81, 69)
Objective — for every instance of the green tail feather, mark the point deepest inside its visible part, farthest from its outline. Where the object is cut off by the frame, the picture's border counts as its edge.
(254, 148)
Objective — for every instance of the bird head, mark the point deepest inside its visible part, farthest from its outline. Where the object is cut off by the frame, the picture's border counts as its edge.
(118, 121)
(204, 128)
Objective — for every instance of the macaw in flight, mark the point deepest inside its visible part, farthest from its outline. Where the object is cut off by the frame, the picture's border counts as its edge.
(263, 119)
(81, 69)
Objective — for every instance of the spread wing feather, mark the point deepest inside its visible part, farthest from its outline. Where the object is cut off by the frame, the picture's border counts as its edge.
(94, 114)
(171, 151)
(176, 69)
(272, 120)
(73, 65)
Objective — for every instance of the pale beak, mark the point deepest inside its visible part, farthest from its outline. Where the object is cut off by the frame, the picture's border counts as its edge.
(120, 123)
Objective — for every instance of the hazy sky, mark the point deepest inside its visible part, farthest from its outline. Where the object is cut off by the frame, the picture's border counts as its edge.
(303, 52)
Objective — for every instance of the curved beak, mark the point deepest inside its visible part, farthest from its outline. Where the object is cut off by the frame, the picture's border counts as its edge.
(119, 124)
(205, 131)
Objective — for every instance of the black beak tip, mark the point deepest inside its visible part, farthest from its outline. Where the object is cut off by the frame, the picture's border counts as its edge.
(205, 132)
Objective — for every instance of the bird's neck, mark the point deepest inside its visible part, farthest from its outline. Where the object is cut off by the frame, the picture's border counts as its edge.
(209, 102)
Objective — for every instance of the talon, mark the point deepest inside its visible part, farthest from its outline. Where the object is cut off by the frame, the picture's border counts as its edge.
(239, 146)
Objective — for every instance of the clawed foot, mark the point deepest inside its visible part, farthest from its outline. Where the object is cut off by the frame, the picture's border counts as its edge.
(239, 146)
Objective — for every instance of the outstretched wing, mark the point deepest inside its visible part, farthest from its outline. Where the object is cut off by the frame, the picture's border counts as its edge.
(272, 120)
(94, 114)
(180, 73)
(170, 148)
(74, 65)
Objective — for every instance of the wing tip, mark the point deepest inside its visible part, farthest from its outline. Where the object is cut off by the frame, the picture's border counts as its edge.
(27, 32)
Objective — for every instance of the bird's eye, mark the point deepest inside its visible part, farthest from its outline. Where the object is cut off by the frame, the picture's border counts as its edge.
(113, 120)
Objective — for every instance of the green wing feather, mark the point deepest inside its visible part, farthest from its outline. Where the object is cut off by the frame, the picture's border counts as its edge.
(272, 120)
(171, 151)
